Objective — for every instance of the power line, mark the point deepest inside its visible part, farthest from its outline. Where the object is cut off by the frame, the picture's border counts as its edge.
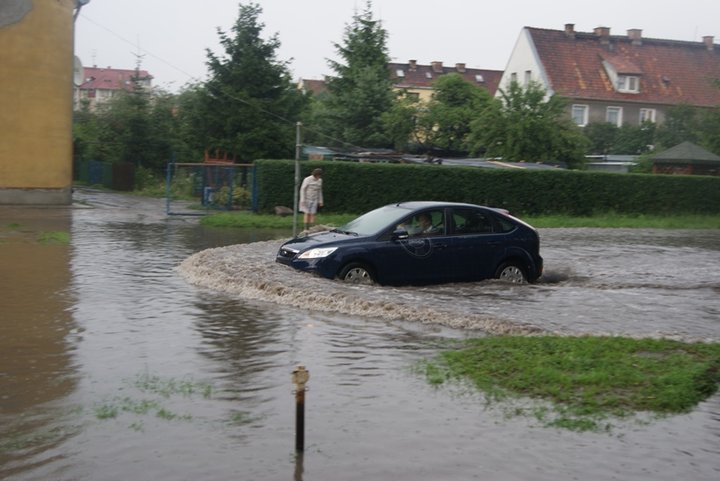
(225, 93)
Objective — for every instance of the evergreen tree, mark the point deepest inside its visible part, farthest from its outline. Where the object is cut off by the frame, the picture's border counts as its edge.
(249, 106)
(361, 91)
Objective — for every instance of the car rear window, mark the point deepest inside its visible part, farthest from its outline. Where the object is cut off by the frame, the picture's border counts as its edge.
(504, 224)
(472, 221)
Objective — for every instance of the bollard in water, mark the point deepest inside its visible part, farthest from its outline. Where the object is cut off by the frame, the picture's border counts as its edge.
(300, 376)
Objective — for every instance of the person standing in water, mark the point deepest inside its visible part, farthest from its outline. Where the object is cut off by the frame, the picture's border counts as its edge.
(311, 197)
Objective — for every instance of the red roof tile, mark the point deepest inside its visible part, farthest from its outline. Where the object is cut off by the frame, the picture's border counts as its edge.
(110, 78)
(671, 72)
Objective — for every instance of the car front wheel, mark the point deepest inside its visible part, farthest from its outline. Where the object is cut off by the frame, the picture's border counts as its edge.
(356, 273)
(510, 272)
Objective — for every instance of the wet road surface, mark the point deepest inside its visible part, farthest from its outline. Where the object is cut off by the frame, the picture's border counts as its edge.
(115, 364)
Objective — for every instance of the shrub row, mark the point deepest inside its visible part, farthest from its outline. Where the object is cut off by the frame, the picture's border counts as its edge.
(352, 187)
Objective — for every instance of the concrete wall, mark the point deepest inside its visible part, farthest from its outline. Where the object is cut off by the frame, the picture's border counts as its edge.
(36, 55)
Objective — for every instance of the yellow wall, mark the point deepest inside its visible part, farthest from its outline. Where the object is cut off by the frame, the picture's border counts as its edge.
(36, 70)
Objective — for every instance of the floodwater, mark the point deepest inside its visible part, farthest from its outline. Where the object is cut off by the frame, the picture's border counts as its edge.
(151, 348)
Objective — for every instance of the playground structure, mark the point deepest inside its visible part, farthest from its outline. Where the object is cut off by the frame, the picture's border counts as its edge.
(218, 183)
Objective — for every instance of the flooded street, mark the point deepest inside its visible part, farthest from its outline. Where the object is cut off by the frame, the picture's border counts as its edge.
(152, 348)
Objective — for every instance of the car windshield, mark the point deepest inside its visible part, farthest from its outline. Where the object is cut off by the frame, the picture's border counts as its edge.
(375, 221)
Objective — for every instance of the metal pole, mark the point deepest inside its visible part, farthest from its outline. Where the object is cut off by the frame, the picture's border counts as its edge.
(298, 148)
(300, 376)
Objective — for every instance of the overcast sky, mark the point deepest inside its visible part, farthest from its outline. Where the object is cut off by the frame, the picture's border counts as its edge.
(173, 35)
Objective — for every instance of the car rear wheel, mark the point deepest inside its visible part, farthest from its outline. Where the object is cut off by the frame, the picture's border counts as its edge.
(356, 273)
(512, 273)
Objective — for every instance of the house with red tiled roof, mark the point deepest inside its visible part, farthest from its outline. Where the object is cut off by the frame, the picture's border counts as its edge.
(417, 80)
(99, 85)
(616, 78)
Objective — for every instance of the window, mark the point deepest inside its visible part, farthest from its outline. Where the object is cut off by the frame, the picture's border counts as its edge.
(628, 83)
(513, 77)
(528, 77)
(426, 223)
(400, 73)
(580, 115)
(428, 75)
(479, 78)
(613, 115)
(471, 221)
(647, 115)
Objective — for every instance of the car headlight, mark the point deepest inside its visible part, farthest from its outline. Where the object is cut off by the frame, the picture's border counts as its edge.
(317, 253)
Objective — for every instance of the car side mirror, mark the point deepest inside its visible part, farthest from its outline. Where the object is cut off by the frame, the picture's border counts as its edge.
(400, 234)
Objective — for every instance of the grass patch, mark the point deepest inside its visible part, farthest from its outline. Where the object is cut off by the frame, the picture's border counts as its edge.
(54, 237)
(32, 440)
(169, 387)
(639, 221)
(586, 379)
(269, 221)
(159, 389)
(111, 410)
(242, 418)
(608, 220)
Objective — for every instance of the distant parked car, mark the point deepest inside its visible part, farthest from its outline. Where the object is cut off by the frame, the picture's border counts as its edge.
(421, 243)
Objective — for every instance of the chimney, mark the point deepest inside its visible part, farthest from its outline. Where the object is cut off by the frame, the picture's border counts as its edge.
(437, 67)
(709, 42)
(412, 64)
(603, 33)
(570, 30)
(460, 67)
(635, 36)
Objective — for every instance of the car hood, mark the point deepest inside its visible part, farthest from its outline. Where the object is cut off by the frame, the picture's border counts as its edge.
(320, 239)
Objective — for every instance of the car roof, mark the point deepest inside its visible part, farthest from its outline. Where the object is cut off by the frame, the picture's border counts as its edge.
(428, 204)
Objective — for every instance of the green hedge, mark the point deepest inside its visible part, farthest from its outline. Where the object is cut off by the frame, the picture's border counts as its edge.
(352, 187)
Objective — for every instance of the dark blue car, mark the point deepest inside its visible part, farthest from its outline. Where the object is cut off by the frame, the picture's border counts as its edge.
(421, 243)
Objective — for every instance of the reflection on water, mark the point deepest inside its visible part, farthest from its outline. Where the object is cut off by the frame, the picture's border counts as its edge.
(35, 331)
(114, 367)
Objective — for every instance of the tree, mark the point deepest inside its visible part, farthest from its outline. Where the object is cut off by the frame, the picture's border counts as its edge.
(635, 139)
(602, 137)
(710, 133)
(445, 122)
(249, 106)
(525, 126)
(606, 138)
(682, 123)
(132, 109)
(135, 126)
(400, 123)
(361, 92)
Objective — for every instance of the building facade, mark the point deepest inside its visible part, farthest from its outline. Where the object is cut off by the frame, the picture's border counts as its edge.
(618, 79)
(417, 80)
(36, 42)
(100, 85)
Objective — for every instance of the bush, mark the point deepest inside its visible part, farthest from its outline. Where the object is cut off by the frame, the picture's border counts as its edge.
(359, 187)
(240, 197)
